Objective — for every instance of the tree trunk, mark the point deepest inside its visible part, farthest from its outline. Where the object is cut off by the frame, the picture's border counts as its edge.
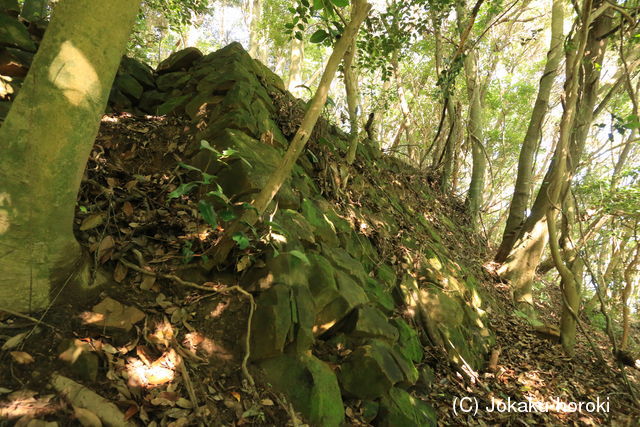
(256, 43)
(522, 189)
(524, 257)
(474, 125)
(451, 148)
(353, 96)
(295, 68)
(45, 142)
(629, 275)
(404, 105)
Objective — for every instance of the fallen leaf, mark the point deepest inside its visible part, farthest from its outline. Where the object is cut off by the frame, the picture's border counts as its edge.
(111, 313)
(147, 282)
(244, 262)
(105, 249)
(86, 417)
(14, 341)
(127, 208)
(184, 403)
(120, 272)
(21, 357)
(92, 221)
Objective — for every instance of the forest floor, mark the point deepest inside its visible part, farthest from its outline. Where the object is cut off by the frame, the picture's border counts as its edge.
(164, 346)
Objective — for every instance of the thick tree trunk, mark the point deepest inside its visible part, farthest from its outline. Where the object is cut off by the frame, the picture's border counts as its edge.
(522, 189)
(45, 142)
(524, 257)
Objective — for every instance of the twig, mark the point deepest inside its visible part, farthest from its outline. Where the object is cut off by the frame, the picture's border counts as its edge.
(247, 353)
(24, 316)
(252, 306)
(172, 277)
(189, 385)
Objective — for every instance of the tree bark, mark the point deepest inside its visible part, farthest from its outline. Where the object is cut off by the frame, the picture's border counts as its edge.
(295, 68)
(474, 124)
(256, 48)
(581, 86)
(45, 142)
(522, 189)
(353, 96)
(404, 105)
(629, 275)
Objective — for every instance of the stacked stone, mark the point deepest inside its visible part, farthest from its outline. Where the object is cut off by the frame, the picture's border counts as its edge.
(18, 43)
(327, 284)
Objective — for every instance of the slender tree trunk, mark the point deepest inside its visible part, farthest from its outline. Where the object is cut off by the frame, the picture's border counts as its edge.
(629, 275)
(256, 48)
(474, 126)
(451, 147)
(45, 142)
(523, 259)
(353, 97)
(295, 68)
(522, 189)
(279, 65)
(404, 105)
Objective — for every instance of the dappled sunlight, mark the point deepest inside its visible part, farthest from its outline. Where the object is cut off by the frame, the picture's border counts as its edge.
(75, 76)
(195, 341)
(27, 405)
(143, 373)
(5, 202)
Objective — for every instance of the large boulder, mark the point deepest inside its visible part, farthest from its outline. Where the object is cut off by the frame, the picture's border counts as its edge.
(399, 408)
(372, 369)
(14, 34)
(180, 60)
(311, 386)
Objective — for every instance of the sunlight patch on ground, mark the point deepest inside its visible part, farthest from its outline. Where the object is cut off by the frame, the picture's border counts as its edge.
(154, 374)
(23, 403)
(5, 200)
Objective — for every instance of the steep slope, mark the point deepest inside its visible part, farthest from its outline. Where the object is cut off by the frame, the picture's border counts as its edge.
(349, 272)
(371, 303)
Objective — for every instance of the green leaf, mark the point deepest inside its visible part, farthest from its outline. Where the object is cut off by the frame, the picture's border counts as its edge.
(241, 240)
(189, 167)
(219, 194)
(182, 190)
(318, 4)
(301, 256)
(208, 213)
(227, 215)
(340, 3)
(208, 178)
(205, 145)
(319, 36)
